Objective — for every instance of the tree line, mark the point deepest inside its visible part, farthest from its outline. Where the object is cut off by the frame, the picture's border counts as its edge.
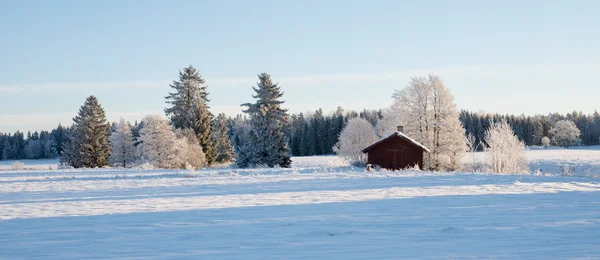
(316, 133)
(36, 145)
(532, 129)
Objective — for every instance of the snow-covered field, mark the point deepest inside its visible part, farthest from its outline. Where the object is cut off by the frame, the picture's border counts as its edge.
(581, 161)
(319, 209)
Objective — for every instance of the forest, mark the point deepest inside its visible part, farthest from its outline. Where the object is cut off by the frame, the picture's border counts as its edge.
(316, 133)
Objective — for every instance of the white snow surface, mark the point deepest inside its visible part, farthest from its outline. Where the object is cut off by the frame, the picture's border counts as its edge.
(319, 209)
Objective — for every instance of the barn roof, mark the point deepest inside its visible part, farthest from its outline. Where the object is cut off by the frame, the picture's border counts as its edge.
(399, 134)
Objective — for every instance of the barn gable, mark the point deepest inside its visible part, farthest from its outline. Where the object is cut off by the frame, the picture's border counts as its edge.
(398, 134)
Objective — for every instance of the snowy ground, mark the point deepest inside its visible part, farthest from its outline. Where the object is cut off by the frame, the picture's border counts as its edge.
(581, 161)
(320, 209)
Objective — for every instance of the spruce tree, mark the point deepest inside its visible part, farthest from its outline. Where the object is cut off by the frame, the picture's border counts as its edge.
(266, 143)
(88, 145)
(7, 151)
(224, 149)
(203, 127)
(189, 109)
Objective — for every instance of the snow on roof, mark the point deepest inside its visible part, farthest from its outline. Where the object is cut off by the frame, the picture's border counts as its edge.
(399, 134)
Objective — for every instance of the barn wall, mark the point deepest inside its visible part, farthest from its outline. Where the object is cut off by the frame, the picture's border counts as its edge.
(396, 153)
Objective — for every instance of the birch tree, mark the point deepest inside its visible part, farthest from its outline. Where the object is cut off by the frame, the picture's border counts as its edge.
(426, 109)
(356, 135)
(123, 150)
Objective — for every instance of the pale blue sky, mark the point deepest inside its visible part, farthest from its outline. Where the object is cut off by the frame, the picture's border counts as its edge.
(498, 56)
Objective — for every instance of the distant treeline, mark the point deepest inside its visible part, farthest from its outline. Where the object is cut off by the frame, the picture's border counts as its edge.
(36, 145)
(312, 133)
(531, 129)
(316, 133)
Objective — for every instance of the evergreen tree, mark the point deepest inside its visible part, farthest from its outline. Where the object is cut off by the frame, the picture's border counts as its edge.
(203, 127)
(60, 135)
(266, 143)
(7, 151)
(89, 146)
(189, 109)
(224, 149)
(306, 141)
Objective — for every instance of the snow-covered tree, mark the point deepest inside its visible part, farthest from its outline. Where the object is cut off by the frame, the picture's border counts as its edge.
(189, 149)
(265, 142)
(225, 152)
(545, 141)
(34, 149)
(389, 122)
(189, 109)
(565, 133)
(356, 135)
(88, 144)
(426, 109)
(123, 149)
(163, 147)
(505, 152)
(158, 143)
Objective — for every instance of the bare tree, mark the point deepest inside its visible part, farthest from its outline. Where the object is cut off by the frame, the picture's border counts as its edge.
(357, 135)
(123, 149)
(426, 109)
(505, 152)
(473, 147)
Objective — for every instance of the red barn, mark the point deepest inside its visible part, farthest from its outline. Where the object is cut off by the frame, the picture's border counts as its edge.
(396, 151)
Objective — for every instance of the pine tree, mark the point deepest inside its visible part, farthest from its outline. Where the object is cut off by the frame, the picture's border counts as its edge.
(89, 146)
(189, 109)
(7, 151)
(266, 143)
(123, 149)
(60, 135)
(203, 127)
(224, 149)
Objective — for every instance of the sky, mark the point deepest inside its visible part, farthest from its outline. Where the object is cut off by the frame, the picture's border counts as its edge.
(520, 57)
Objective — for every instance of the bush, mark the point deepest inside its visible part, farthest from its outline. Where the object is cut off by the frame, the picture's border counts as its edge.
(17, 166)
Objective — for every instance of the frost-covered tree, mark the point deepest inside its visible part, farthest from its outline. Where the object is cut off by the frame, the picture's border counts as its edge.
(356, 135)
(224, 149)
(34, 149)
(545, 141)
(163, 148)
(158, 143)
(189, 109)
(123, 148)
(88, 144)
(189, 149)
(505, 152)
(565, 133)
(426, 109)
(265, 142)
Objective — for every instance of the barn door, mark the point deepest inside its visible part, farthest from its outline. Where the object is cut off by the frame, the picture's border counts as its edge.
(396, 159)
